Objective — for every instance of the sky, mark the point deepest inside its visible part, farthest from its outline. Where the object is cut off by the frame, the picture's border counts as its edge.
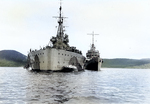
(123, 25)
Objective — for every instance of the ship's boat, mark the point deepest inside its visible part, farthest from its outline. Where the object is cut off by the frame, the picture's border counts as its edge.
(93, 60)
(59, 56)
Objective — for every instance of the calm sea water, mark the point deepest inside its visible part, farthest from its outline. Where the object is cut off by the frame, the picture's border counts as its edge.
(109, 86)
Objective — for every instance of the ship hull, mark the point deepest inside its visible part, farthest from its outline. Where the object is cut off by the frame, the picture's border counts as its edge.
(93, 64)
(52, 59)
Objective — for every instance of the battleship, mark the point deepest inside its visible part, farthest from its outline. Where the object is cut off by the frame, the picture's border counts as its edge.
(58, 56)
(93, 60)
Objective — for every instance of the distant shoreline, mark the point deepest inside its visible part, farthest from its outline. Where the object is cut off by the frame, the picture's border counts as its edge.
(12, 58)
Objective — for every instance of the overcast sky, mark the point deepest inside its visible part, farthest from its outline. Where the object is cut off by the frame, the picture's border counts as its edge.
(123, 25)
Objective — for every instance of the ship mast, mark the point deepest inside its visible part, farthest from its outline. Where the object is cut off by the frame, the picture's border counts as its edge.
(60, 31)
(91, 53)
(93, 38)
(61, 40)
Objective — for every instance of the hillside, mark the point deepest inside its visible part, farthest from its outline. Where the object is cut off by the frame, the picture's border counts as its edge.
(126, 63)
(12, 58)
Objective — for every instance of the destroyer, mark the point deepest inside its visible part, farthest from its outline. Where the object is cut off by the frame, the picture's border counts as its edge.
(59, 56)
(93, 60)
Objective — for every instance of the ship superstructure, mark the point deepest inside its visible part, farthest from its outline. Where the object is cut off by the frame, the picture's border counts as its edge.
(58, 57)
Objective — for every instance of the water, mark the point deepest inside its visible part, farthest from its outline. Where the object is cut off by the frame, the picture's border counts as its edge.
(109, 86)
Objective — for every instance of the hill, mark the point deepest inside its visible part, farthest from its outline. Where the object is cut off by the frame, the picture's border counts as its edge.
(126, 63)
(12, 58)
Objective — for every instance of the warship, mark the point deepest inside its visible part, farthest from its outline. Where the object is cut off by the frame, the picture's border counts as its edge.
(58, 56)
(93, 60)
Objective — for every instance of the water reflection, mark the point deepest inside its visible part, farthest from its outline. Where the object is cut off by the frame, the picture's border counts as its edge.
(107, 86)
(54, 87)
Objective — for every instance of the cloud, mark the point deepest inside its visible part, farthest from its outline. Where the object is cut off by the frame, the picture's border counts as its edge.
(123, 26)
